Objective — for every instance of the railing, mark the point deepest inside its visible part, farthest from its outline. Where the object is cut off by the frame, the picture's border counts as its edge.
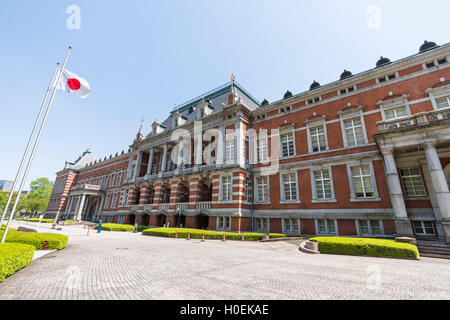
(203, 206)
(164, 206)
(92, 187)
(134, 207)
(182, 206)
(414, 121)
(148, 207)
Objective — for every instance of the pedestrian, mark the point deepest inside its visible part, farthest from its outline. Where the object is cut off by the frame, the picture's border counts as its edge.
(99, 226)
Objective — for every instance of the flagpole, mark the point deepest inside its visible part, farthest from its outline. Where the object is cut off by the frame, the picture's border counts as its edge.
(5, 210)
(30, 160)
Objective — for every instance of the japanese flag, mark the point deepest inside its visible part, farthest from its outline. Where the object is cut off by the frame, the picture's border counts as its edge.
(71, 82)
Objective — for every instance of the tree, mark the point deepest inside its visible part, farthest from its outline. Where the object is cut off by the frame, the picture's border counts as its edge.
(38, 197)
(3, 199)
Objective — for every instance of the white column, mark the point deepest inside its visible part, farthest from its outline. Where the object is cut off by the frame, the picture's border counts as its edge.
(402, 223)
(150, 161)
(440, 185)
(240, 144)
(80, 207)
(180, 160)
(138, 164)
(164, 158)
(130, 164)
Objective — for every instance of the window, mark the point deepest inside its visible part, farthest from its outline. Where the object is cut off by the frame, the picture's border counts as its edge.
(108, 198)
(227, 188)
(322, 184)
(125, 198)
(314, 100)
(289, 186)
(395, 113)
(326, 226)
(245, 195)
(387, 78)
(423, 227)
(354, 131)
(119, 177)
(412, 182)
(430, 65)
(229, 149)
(262, 149)
(442, 61)
(285, 109)
(443, 102)
(318, 141)
(370, 227)
(362, 182)
(114, 200)
(223, 223)
(133, 171)
(262, 224)
(262, 189)
(262, 116)
(287, 144)
(347, 90)
(291, 226)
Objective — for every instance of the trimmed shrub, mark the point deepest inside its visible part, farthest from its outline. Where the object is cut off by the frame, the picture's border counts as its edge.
(116, 227)
(197, 234)
(35, 220)
(366, 247)
(70, 221)
(141, 228)
(54, 240)
(13, 257)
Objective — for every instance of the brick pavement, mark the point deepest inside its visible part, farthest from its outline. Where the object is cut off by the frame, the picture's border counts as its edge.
(114, 265)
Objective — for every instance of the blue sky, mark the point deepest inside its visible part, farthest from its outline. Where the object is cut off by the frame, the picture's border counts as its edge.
(142, 57)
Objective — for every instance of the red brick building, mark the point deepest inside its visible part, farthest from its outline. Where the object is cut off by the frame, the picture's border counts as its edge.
(366, 155)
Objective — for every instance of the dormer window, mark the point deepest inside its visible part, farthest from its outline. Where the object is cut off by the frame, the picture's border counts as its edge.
(285, 109)
(430, 65)
(442, 61)
(347, 90)
(314, 100)
(389, 77)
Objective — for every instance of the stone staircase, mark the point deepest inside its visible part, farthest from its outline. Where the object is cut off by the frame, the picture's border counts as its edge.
(433, 249)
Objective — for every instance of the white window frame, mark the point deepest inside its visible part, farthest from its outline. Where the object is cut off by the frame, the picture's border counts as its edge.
(292, 221)
(267, 196)
(223, 223)
(313, 185)
(282, 195)
(370, 227)
(327, 227)
(114, 201)
(437, 93)
(395, 103)
(286, 132)
(262, 149)
(423, 228)
(265, 224)
(312, 125)
(353, 197)
(230, 148)
(351, 115)
(409, 196)
(222, 186)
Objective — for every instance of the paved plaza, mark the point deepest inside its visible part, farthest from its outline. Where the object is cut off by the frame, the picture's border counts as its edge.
(119, 265)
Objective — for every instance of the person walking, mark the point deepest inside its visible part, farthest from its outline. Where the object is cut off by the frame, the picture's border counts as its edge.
(99, 229)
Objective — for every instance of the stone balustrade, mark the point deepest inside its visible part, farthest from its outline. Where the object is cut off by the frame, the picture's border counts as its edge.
(414, 121)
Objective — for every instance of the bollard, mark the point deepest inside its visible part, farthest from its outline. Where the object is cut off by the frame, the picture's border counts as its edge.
(223, 238)
(189, 236)
(203, 238)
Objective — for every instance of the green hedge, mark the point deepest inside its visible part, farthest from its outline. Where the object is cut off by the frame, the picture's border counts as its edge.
(36, 220)
(55, 240)
(116, 227)
(13, 257)
(366, 247)
(71, 221)
(197, 234)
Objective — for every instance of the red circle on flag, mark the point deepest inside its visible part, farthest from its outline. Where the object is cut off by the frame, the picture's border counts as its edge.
(74, 84)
